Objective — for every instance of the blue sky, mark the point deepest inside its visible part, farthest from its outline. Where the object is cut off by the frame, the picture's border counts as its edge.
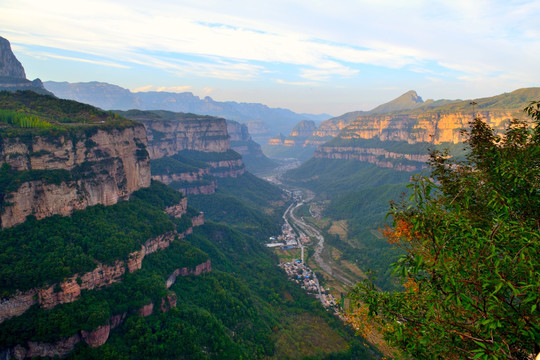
(309, 56)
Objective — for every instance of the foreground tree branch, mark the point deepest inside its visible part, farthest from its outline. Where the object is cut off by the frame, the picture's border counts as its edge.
(471, 236)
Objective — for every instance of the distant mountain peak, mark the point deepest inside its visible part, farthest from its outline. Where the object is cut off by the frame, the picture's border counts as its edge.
(9, 65)
(412, 96)
(407, 101)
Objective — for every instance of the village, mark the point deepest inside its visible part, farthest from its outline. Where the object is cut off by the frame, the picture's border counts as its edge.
(298, 271)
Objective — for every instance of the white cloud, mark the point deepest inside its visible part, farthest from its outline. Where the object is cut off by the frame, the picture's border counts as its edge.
(177, 89)
(45, 55)
(297, 83)
(317, 40)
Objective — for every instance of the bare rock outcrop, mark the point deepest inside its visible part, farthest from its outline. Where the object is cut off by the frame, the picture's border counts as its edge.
(177, 210)
(193, 182)
(38, 349)
(96, 337)
(205, 267)
(9, 65)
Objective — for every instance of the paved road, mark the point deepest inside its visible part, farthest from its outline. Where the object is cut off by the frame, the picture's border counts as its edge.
(313, 232)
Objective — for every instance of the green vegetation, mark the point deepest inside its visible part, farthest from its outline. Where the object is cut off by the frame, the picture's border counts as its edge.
(237, 311)
(359, 193)
(209, 156)
(22, 120)
(160, 115)
(329, 177)
(365, 212)
(37, 253)
(10, 179)
(227, 209)
(471, 240)
(22, 111)
(246, 202)
(399, 147)
(96, 307)
(175, 165)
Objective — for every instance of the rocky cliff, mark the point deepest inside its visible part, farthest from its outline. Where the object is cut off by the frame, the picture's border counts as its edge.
(372, 136)
(101, 166)
(424, 130)
(9, 65)
(431, 127)
(12, 74)
(166, 138)
(190, 182)
(251, 152)
(380, 157)
(193, 149)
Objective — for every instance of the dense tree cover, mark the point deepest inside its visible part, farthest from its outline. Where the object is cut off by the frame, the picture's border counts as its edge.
(472, 243)
(95, 307)
(237, 311)
(37, 253)
(400, 147)
(175, 165)
(330, 177)
(202, 156)
(227, 209)
(186, 332)
(245, 202)
(92, 310)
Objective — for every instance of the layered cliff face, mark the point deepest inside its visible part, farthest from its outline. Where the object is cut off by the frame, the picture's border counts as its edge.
(380, 157)
(69, 167)
(100, 168)
(189, 182)
(431, 127)
(382, 138)
(189, 151)
(166, 138)
(369, 138)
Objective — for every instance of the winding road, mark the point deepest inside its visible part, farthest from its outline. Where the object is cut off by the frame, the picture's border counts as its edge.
(314, 233)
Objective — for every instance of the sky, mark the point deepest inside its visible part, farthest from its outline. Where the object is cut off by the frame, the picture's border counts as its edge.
(308, 56)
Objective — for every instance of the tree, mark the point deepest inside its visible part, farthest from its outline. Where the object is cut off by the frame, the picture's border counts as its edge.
(471, 269)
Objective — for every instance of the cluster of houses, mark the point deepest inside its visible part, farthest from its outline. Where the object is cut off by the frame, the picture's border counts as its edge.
(287, 239)
(298, 272)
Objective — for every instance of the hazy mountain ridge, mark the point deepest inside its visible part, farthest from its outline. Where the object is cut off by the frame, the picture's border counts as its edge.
(109, 97)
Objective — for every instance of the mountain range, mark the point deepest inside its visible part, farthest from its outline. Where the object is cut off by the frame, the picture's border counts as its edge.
(262, 120)
(406, 118)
